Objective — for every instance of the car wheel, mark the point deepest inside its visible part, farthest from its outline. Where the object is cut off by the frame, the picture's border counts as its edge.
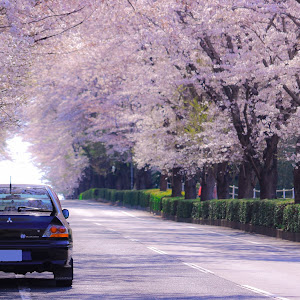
(64, 275)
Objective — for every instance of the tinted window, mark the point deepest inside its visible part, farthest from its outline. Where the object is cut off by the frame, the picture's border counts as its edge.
(21, 200)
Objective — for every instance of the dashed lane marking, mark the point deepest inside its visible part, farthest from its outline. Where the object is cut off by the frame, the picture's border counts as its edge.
(156, 250)
(261, 292)
(130, 215)
(24, 291)
(203, 270)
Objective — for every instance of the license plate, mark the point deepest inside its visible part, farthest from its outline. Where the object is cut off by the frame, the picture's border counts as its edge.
(10, 255)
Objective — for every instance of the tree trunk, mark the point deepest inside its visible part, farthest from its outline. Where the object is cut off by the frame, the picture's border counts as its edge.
(122, 174)
(223, 179)
(163, 184)
(208, 183)
(190, 187)
(143, 179)
(247, 179)
(297, 183)
(176, 182)
(269, 175)
(297, 174)
(266, 171)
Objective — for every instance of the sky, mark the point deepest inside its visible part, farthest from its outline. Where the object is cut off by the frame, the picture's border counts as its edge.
(20, 168)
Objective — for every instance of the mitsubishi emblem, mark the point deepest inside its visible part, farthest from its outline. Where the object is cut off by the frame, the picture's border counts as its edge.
(9, 220)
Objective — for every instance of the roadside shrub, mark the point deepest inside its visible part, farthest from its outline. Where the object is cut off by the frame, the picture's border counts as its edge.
(169, 205)
(197, 210)
(155, 201)
(245, 211)
(185, 208)
(283, 214)
(217, 209)
(205, 210)
(144, 197)
(291, 218)
(232, 210)
(92, 194)
(118, 196)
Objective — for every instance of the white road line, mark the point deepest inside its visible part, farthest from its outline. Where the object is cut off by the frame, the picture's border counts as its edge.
(247, 241)
(134, 240)
(99, 224)
(112, 229)
(130, 215)
(251, 242)
(156, 250)
(261, 292)
(198, 268)
(25, 293)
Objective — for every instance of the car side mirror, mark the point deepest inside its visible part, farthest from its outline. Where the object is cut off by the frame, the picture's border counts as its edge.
(65, 213)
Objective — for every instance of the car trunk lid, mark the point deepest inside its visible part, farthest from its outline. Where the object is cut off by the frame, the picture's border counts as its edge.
(23, 226)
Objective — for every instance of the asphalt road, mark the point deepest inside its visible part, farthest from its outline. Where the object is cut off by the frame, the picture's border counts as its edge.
(129, 254)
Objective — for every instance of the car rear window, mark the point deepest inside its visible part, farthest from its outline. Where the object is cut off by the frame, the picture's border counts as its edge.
(21, 200)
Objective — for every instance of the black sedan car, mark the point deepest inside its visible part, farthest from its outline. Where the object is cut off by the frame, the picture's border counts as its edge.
(34, 233)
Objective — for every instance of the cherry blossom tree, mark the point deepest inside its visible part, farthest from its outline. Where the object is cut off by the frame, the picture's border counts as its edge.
(117, 72)
(250, 57)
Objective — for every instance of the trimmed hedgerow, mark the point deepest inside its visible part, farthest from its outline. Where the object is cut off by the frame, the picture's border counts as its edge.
(268, 213)
(144, 198)
(281, 214)
(170, 205)
(291, 218)
(185, 207)
(155, 200)
(92, 194)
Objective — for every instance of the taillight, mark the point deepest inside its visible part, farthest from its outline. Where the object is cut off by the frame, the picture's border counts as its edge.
(56, 231)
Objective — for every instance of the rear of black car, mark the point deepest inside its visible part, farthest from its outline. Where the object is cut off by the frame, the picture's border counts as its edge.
(34, 234)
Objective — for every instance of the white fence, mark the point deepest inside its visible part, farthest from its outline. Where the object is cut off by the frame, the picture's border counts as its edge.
(284, 193)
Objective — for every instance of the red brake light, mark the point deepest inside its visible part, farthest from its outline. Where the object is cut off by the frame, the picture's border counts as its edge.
(53, 229)
(56, 231)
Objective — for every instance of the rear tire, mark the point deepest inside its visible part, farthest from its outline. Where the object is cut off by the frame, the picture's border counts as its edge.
(64, 275)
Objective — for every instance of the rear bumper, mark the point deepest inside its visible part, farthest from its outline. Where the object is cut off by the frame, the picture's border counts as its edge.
(39, 256)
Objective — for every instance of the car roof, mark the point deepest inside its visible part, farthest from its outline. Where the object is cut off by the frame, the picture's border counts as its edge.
(25, 185)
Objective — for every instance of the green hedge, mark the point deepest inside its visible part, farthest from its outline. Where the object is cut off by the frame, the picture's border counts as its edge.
(185, 208)
(281, 214)
(93, 194)
(291, 218)
(155, 200)
(268, 213)
(177, 206)
(144, 198)
(169, 205)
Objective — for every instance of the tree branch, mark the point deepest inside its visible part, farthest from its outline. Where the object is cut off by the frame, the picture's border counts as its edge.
(295, 97)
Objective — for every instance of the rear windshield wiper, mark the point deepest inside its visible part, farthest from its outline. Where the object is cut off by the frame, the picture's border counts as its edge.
(28, 208)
